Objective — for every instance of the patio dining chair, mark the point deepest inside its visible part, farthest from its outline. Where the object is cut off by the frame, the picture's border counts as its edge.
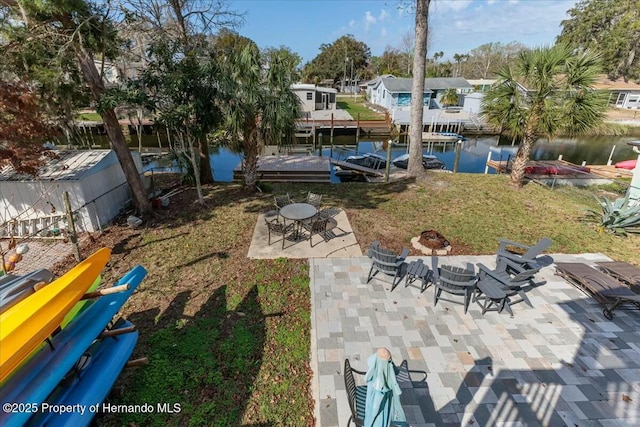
(314, 199)
(317, 225)
(454, 281)
(281, 201)
(276, 226)
(356, 393)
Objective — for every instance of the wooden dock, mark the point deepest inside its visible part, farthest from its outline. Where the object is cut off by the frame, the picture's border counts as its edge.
(290, 169)
(564, 171)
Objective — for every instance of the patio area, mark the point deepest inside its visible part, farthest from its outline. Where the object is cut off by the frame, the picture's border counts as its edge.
(559, 363)
(340, 240)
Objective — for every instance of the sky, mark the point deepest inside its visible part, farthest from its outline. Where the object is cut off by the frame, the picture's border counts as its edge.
(457, 26)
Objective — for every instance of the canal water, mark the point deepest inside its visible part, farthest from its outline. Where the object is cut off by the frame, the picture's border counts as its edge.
(473, 156)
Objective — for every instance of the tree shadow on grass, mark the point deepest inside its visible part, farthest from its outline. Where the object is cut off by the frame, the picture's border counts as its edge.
(208, 363)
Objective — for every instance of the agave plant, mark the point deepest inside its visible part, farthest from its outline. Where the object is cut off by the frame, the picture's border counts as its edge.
(621, 216)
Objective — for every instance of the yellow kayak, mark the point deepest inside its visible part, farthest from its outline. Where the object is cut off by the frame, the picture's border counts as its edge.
(25, 325)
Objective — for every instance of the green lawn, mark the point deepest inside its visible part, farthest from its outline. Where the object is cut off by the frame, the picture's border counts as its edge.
(228, 338)
(93, 117)
(356, 106)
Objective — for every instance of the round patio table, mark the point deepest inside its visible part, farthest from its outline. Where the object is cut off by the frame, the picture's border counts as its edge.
(298, 212)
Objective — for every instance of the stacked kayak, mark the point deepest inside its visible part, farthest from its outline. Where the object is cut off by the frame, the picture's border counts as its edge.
(14, 289)
(80, 362)
(627, 164)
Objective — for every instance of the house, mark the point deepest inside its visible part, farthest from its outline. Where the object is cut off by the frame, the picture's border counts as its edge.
(481, 85)
(621, 94)
(394, 93)
(94, 179)
(313, 98)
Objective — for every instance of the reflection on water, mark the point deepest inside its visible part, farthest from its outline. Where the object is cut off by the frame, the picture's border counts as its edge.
(473, 157)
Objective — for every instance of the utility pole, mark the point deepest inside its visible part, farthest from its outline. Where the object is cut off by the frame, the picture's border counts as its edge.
(344, 71)
(351, 79)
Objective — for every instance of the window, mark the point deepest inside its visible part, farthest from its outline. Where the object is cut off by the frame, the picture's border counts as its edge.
(309, 96)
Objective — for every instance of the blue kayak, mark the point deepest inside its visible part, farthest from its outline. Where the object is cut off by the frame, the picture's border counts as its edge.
(89, 383)
(14, 289)
(32, 382)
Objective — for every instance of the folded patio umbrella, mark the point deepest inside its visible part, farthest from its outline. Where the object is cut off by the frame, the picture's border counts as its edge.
(383, 393)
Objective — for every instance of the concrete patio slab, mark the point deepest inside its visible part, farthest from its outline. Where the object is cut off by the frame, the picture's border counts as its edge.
(560, 363)
(341, 241)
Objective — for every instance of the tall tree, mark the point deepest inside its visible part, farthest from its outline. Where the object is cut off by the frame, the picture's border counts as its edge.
(183, 89)
(545, 92)
(485, 60)
(187, 25)
(611, 27)
(414, 168)
(82, 29)
(332, 59)
(23, 127)
(260, 107)
(290, 59)
(407, 45)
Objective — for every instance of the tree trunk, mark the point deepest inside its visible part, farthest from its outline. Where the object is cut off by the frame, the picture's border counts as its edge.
(114, 131)
(415, 168)
(250, 161)
(195, 162)
(206, 174)
(521, 160)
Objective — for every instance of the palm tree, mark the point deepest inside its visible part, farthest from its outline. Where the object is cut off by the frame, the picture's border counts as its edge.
(545, 92)
(449, 97)
(260, 107)
(414, 167)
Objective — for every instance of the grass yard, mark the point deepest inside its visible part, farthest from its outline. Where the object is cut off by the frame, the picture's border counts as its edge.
(228, 338)
(356, 106)
(92, 117)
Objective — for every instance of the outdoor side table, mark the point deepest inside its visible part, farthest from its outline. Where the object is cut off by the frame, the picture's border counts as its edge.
(491, 297)
(418, 271)
(298, 212)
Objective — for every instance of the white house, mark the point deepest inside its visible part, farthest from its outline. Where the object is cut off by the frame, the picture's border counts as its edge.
(98, 191)
(394, 93)
(621, 94)
(313, 98)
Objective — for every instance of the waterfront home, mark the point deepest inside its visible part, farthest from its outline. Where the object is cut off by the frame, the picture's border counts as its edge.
(314, 98)
(394, 93)
(621, 94)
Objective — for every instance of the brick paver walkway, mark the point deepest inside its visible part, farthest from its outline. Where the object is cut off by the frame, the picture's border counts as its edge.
(559, 363)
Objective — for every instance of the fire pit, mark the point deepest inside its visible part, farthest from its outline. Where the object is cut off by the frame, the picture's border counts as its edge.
(431, 242)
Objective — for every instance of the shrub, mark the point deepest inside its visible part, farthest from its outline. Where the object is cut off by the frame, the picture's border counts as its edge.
(619, 217)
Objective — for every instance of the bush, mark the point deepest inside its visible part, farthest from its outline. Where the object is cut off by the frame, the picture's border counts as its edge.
(619, 217)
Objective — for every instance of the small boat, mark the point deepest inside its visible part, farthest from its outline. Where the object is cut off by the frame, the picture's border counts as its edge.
(428, 162)
(627, 164)
(368, 160)
(457, 136)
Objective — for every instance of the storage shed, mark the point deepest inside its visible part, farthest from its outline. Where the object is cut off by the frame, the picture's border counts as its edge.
(33, 206)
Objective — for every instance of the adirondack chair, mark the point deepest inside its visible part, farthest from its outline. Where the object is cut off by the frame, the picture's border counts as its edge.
(511, 283)
(529, 255)
(454, 281)
(388, 262)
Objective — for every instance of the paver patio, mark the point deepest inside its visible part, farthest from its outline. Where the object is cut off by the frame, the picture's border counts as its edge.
(559, 363)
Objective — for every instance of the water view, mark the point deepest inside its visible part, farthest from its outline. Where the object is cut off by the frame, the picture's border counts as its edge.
(473, 157)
